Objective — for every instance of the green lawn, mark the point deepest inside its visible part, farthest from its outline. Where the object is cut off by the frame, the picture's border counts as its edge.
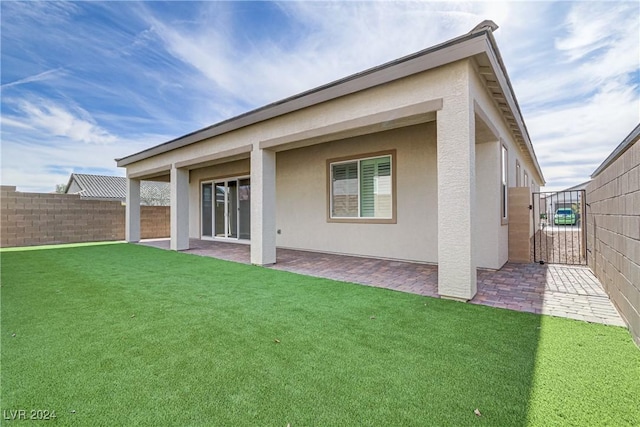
(129, 335)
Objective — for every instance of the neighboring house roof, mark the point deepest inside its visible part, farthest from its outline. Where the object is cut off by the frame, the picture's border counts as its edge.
(631, 139)
(581, 186)
(103, 187)
(552, 194)
(471, 44)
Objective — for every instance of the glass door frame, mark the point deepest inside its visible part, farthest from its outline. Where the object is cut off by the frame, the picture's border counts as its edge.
(227, 204)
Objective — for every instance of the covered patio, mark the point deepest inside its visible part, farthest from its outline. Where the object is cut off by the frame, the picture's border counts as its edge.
(557, 290)
(414, 159)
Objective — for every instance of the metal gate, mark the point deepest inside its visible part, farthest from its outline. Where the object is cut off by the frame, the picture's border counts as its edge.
(560, 220)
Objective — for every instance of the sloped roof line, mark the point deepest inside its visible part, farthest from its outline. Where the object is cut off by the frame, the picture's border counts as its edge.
(525, 130)
(176, 142)
(112, 187)
(361, 80)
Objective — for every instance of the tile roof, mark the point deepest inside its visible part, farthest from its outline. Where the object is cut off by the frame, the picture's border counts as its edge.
(115, 188)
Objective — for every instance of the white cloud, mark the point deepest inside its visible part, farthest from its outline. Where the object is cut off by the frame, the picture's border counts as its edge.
(572, 140)
(168, 69)
(328, 41)
(591, 26)
(9, 122)
(37, 162)
(40, 77)
(576, 80)
(57, 121)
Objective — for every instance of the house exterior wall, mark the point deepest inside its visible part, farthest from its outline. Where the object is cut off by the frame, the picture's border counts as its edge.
(307, 165)
(301, 174)
(414, 89)
(487, 241)
(301, 200)
(613, 234)
(433, 84)
(490, 235)
(31, 219)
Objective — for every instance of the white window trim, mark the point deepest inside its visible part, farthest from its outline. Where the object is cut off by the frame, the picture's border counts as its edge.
(213, 182)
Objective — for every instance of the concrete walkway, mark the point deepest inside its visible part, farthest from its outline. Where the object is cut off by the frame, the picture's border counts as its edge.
(556, 290)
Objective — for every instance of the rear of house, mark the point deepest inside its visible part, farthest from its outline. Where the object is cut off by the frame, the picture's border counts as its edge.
(411, 160)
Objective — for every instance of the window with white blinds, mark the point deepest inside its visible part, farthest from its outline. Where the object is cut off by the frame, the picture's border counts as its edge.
(362, 188)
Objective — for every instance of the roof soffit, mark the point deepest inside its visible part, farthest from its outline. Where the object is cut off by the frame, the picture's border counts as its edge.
(493, 75)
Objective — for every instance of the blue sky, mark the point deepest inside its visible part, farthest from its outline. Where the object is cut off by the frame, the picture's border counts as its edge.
(86, 82)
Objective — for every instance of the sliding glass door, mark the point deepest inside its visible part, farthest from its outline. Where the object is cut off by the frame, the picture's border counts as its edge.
(207, 209)
(244, 208)
(226, 209)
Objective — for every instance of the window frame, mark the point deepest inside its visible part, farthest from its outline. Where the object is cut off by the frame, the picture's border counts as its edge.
(504, 184)
(357, 158)
(213, 180)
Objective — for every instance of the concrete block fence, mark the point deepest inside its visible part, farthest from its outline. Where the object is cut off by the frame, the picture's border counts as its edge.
(613, 233)
(29, 219)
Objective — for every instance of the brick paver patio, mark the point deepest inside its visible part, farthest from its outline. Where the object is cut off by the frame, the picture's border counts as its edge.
(556, 290)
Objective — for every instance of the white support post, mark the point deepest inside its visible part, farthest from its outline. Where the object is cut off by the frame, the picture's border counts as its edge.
(132, 211)
(456, 198)
(179, 208)
(263, 206)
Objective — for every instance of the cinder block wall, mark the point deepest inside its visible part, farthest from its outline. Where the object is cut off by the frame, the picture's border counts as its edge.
(155, 221)
(613, 234)
(29, 219)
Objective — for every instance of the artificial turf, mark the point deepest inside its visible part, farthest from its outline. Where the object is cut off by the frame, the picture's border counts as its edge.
(130, 335)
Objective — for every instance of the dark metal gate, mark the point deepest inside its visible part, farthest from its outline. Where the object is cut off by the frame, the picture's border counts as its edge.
(560, 220)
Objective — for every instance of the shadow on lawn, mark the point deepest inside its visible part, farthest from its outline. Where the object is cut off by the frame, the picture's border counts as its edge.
(497, 364)
(519, 287)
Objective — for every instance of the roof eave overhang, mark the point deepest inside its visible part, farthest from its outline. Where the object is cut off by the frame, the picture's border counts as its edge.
(499, 86)
(455, 49)
(466, 46)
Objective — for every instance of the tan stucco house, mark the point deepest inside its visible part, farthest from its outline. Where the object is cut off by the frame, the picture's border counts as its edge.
(410, 160)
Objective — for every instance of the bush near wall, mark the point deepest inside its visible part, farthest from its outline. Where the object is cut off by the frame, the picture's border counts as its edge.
(29, 219)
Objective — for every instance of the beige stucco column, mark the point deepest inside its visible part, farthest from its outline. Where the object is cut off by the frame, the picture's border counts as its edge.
(179, 208)
(263, 206)
(456, 197)
(132, 211)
